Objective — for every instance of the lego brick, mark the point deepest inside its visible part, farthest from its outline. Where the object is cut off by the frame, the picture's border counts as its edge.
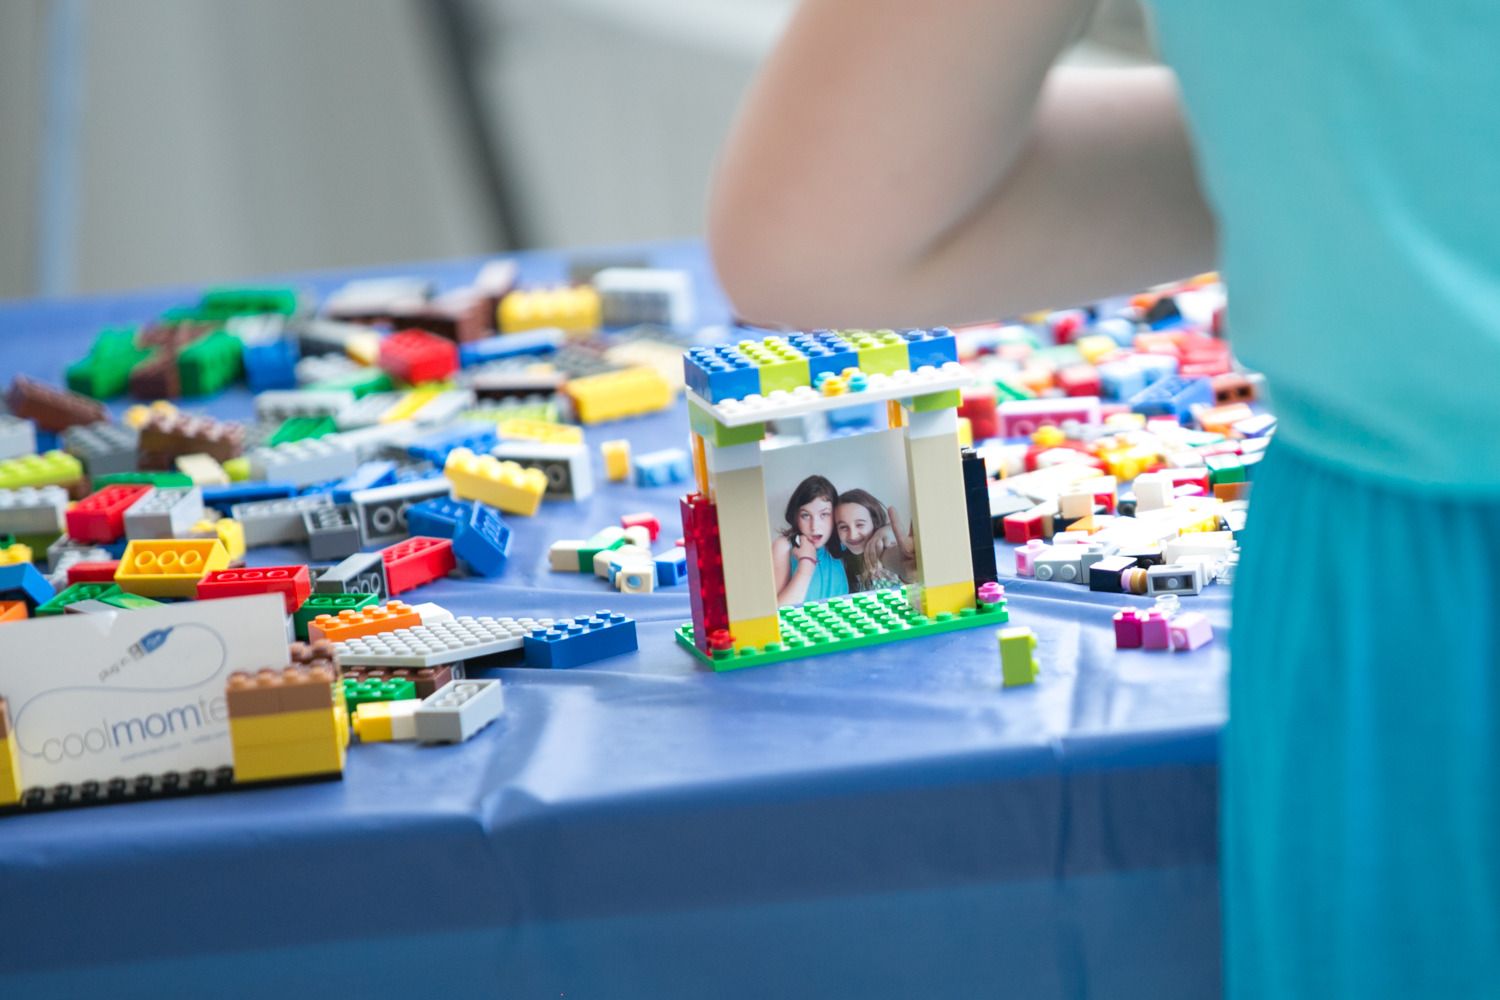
(663, 467)
(806, 400)
(11, 784)
(12, 611)
(543, 340)
(17, 437)
(271, 365)
(416, 562)
(209, 364)
(332, 532)
(368, 619)
(368, 476)
(434, 447)
(327, 604)
(580, 640)
(981, 527)
(616, 395)
(383, 721)
(91, 572)
(278, 405)
(23, 582)
(16, 552)
(939, 514)
(164, 436)
(463, 638)
(632, 571)
(168, 567)
(1018, 665)
(482, 540)
(280, 761)
(705, 568)
(50, 408)
(277, 522)
(505, 485)
(48, 469)
(164, 513)
(566, 466)
(458, 710)
(575, 309)
(1105, 576)
(745, 543)
(521, 428)
(121, 601)
(301, 687)
(103, 447)
(360, 573)
(291, 582)
(425, 680)
(1155, 630)
(302, 428)
(72, 595)
(418, 356)
(285, 727)
(33, 510)
(1189, 630)
(630, 295)
(1127, 624)
(312, 460)
(202, 469)
(1173, 578)
(382, 511)
(437, 517)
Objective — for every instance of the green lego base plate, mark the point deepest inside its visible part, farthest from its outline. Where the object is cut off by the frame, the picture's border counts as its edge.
(846, 623)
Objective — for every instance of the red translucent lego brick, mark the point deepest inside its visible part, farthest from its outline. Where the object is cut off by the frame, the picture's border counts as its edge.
(293, 583)
(978, 407)
(1021, 528)
(705, 569)
(1079, 380)
(418, 356)
(417, 561)
(100, 517)
(93, 572)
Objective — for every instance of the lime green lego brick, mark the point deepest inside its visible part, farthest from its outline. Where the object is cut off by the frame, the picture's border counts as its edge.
(779, 364)
(328, 604)
(72, 595)
(237, 469)
(356, 693)
(210, 363)
(845, 623)
(543, 412)
(51, 469)
(302, 429)
(936, 401)
(224, 302)
(129, 602)
(362, 383)
(703, 423)
(38, 543)
(880, 351)
(149, 478)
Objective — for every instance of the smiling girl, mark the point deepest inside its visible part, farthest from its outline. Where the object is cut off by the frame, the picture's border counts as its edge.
(877, 552)
(805, 569)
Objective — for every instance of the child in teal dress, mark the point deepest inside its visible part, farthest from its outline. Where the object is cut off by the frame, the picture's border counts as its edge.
(910, 165)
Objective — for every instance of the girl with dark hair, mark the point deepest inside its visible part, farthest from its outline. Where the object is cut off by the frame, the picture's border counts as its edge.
(805, 569)
(877, 553)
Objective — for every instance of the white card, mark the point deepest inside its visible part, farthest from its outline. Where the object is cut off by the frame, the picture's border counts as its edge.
(100, 696)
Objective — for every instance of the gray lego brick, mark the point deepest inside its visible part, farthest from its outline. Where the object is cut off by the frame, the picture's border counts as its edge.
(32, 510)
(278, 404)
(165, 512)
(302, 463)
(332, 532)
(367, 411)
(325, 367)
(360, 573)
(569, 473)
(103, 447)
(381, 512)
(276, 522)
(17, 436)
(458, 710)
(62, 557)
(463, 638)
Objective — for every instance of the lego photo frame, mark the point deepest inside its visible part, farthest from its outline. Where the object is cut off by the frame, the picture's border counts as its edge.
(734, 395)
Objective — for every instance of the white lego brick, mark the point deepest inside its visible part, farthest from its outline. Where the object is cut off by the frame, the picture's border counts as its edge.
(369, 296)
(458, 710)
(32, 510)
(745, 543)
(324, 367)
(462, 638)
(203, 470)
(781, 404)
(632, 295)
(279, 404)
(562, 555)
(257, 330)
(568, 468)
(431, 613)
(164, 512)
(1215, 544)
(1153, 491)
(302, 463)
(731, 457)
(17, 437)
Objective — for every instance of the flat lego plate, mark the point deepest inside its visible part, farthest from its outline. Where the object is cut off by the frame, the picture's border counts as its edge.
(846, 623)
(782, 404)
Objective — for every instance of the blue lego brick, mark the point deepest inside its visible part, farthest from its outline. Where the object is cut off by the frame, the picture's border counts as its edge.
(438, 517)
(1156, 366)
(1120, 380)
(720, 373)
(509, 345)
(661, 468)
(23, 581)
(935, 347)
(853, 418)
(671, 567)
(580, 640)
(826, 351)
(47, 441)
(271, 365)
(366, 477)
(482, 540)
(1174, 397)
(224, 497)
(477, 437)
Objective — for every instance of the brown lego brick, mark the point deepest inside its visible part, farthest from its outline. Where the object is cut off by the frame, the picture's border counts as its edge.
(157, 376)
(321, 653)
(164, 436)
(51, 408)
(305, 688)
(4, 719)
(253, 694)
(173, 336)
(1232, 491)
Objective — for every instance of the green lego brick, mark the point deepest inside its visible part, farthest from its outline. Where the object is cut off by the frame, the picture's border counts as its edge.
(7, 540)
(327, 604)
(302, 429)
(702, 422)
(356, 693)
(845, 623)
(105, 372)
(780, 365)
(1224, 469)
(210, 363)
(149, 478)
(880, 351)
(542, 412)
(1006, 389)
(224, 302)
(593, 547)
(129, 602)
(38, 543)
(72, 595)
(936, 401)
(54, 468)
(362, 383)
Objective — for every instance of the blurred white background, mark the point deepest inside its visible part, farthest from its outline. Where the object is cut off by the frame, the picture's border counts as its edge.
(181, 141)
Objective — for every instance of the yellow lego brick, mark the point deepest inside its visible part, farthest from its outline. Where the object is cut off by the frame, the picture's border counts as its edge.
(364, 347)
(231, 535)
(203, 470)
(15, 553)
(505, 485)
(756, 632)
(284, 727)
(270, 761)
(10, 768)
(576, 310)
(519, 429)
(169, 567)
(948, 598)
(617, 459)
(382, 721)
(616, 395)
(745, 543)
(408, 405)
(1096, 347)
(137, 415)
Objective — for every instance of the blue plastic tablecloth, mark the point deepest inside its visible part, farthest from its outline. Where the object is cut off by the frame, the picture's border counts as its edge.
(885, 823)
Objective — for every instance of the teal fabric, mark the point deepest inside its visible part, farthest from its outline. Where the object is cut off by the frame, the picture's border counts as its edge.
(1349, 149)
(829, 578)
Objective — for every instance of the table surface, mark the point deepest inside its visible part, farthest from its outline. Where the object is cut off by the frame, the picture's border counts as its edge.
(647, 788)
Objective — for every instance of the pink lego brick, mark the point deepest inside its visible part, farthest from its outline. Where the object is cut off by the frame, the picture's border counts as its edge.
(1026, 556)
(1156, 631)
(1128, 629)
(1189, 630)
(990, 592)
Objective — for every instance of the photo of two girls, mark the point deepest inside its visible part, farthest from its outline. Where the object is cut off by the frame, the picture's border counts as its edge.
(835, 543)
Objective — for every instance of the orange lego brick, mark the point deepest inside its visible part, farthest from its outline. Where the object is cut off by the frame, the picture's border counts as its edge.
(351, 623)
(12, 611)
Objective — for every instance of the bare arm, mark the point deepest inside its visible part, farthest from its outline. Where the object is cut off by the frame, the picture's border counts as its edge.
(903, 164)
